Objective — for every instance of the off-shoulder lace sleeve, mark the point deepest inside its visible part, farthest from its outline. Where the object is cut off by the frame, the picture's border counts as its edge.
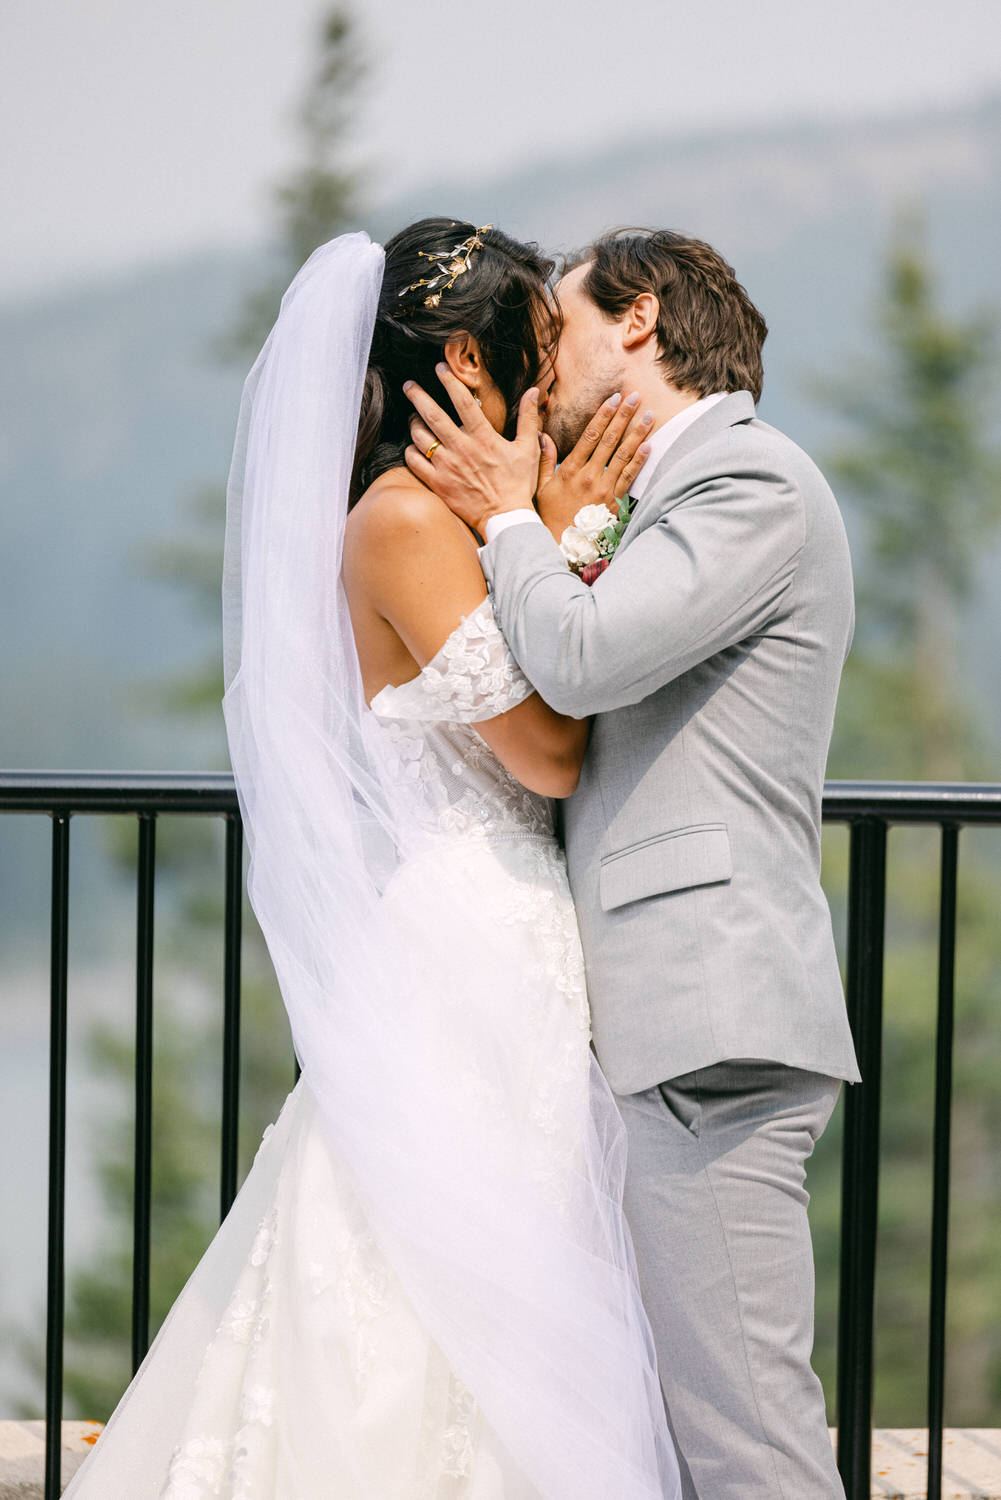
(473, 677)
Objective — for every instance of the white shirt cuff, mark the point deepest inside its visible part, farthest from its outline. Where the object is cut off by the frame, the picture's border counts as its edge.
(497, 524)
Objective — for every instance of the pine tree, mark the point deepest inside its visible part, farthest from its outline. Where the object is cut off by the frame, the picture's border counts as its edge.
(318, 199)
(925, 486)
(928, 492)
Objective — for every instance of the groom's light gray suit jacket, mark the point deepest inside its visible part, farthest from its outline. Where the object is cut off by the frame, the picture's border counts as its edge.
(710, 653)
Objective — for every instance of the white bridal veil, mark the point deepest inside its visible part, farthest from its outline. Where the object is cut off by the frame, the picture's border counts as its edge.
(533, 1301)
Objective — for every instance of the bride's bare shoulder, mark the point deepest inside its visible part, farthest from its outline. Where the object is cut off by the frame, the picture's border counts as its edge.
(398, 518)
(397, 502)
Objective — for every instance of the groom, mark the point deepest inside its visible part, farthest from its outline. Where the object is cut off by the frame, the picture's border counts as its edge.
(709, 653)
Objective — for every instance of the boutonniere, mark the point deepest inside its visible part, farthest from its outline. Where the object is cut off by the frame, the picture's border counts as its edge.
(590, 543)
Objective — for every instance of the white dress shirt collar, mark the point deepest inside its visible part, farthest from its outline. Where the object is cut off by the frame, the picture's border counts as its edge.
(662, 439)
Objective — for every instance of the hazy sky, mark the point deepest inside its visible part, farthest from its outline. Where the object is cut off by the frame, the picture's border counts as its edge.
(132, 129)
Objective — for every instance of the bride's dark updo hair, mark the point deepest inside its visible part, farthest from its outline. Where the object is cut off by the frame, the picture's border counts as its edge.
(501, 300)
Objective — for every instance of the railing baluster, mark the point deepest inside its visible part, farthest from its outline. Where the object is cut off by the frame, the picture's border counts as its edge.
(231, 1014)
(940, 1189)
(57, 1156)
(860, 1163)
(146, 872)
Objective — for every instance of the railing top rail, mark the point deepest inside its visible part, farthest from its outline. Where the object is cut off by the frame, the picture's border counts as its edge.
(214, 792)
(913, 801)
(117, 791)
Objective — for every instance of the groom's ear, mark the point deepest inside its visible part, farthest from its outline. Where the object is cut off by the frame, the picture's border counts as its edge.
(640, 321)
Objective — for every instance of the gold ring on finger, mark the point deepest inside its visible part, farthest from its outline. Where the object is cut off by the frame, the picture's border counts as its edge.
(434, 445)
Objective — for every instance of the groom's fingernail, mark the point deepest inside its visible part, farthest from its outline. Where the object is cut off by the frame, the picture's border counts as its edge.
(614, 400)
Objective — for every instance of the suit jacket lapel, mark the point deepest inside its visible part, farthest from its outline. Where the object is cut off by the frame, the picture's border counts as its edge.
(735, 408)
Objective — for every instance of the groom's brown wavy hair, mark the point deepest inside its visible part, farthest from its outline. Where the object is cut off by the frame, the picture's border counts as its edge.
(709, 331)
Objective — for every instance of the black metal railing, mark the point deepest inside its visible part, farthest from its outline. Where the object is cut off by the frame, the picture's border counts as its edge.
(61, 796)
(869, 809)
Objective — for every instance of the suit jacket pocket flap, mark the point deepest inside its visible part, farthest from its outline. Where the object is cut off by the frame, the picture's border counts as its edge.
(673, 861)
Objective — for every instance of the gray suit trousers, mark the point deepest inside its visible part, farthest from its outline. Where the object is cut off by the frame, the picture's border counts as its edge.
(716, 1202)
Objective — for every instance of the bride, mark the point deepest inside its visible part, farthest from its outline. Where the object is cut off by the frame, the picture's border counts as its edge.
(425, 1289)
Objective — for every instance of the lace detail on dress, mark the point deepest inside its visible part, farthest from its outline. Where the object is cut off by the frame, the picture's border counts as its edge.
(208, 1464)
(539, 904)
(197, 1470)
(429, 723)
(458, 1442)
(363, 1287)
(449, 1434)
(473, 677)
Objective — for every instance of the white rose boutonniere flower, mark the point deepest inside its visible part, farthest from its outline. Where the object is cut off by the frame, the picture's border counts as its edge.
(592, 520)
(578, 548)
(589, 543)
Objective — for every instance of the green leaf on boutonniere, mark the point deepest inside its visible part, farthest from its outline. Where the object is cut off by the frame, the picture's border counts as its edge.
(613, 534)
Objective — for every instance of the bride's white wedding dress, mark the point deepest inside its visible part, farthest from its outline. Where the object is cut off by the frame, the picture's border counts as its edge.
(293, 1365)
(425, 1289)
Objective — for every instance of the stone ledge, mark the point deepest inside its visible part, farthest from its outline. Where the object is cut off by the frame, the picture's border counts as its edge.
(972, 1460)
(22, 1455)
(971, 1463)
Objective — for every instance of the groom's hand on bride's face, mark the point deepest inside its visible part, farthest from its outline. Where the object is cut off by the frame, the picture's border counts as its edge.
(475, 470)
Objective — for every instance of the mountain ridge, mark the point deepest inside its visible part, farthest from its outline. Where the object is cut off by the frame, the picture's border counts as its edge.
(116, 413)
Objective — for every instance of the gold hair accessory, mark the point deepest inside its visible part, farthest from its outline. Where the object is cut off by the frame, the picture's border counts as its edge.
(434, 445)
(449, 267)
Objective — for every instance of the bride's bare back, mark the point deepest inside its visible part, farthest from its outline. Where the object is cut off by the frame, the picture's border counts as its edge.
(405, 555)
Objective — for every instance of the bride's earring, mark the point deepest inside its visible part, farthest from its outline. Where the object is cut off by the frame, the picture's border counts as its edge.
(477, 399)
